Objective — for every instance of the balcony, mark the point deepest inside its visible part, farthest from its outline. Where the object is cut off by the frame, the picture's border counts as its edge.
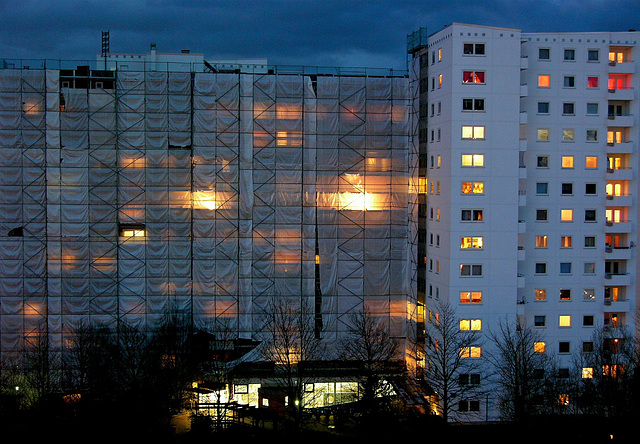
(524, 62)
(522, 227)
(523, 117)
(623, 226)
(522, 145)
(619, 201)
(520, 280)
(622, 147)
(521, 255)
(524, 90)
(617, 279)
(622, 68)
(621, 121)
(617, 306)
(621, 94)
(620, 174)
(618, 253)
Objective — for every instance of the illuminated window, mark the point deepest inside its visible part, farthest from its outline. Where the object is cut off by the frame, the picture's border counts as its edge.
(439, 54)
(540, 294)
(289, 138)
(470, 297)
(471, 242)
(132, 231)
(470, 270)
(566, 215)
(543, 134)
(564, 321)
(567, 161)
(567, 135)
(471, 215)
(592, 82)
(565, 241)
(591, 162)
(563, 399)
(470, 324)
(539, 347)
(440, 81)
(614, 136)
(472, 104)
(544, 81)
(565, 294)
(470, 352)
(473, 160)
(473, 77)
(587, 372)
(472, 187)
(473, 48)
(541, 241)
(472, 132)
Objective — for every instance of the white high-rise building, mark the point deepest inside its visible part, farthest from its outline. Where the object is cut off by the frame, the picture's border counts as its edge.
(529, 147)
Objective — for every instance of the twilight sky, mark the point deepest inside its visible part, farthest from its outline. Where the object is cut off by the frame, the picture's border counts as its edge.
(347, 33)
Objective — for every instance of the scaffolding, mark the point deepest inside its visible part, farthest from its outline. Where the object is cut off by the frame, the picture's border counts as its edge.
(212, 193)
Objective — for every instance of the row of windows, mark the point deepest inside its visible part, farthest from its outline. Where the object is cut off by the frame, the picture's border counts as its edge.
(568, 81)
(563, 321)
(468, 49)
(566, 189)
(566, 215)
(566, 268)
(569, 108)
(588, 294)
(590, 162)
(569, 54)
(568, 135)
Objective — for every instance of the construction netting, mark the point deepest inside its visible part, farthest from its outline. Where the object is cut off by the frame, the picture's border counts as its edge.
(209, 193)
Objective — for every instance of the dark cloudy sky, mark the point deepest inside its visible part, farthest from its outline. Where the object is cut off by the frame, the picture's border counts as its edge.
(349, 33)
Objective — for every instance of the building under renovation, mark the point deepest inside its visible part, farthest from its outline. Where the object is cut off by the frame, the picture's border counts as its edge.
(125, 193)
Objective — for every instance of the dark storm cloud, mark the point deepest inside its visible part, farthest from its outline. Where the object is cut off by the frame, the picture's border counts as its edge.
(299, 32)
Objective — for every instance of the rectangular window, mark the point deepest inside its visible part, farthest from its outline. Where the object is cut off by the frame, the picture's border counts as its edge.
(567, 135)
(590, 215)
(567, 161)
(568, 108)
(588, 321)
(541, 241)
(590, 188)
(470, 297)
(565, 294)
(542, 162)
(473, 160)
(592, 135)
(471, 215)
(471, 242)
(470, 270)
(589, 268)
(542, 188)
(541, 268)
(593, 55)
(440, 81)
(569, 82)
(473, 48)
(541, 215)
(566, 215)
(470, 324)
(587, 347)
(472, 132)
(439, 54)
(565, 267)
(565, 241)
(589, 241)
(567, 188)
(470, 352)
(539, 321)
(539, 346)
(569, 54)
(540, 294)
(472, 104)
(591, 162)
(543, 107)
(473, 77)
(564, 347)
(564, 321)
(543, 134)
(592, 109)
(544, 53)
(544, 81)
(472, 187)
(592, 82)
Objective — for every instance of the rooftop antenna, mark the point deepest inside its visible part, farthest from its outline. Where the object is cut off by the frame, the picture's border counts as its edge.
(105, 47)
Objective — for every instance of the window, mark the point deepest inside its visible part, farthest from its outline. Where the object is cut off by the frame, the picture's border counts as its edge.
(472, 187)
(567, 135)
(569, 81)
(593, 55)
(542, 162)
(592, 109)
(539, 321)
(540, 294)
(589, 241)
(544, 53)
(471, 242)
(469, 378)
(132, 230)
(565, 267)
(568, 108)
(591, 162)
(439, 54)
(470, 352)
(470, 270)
(542, 188)
(470, 297)
(541, 241)
(587, 372)
(543, 134)
(470, 324)
(590, 188)
(587, 347)
(592, 82)
(590, 215)
(564, 321)
(473, 77)
(565, 241)
(471, 215)
(539, 347)
(544, 81)
(472, 104)
(592, 135)
(541, 215)
(567, 188)
(469, 406)
(472, 132)
(567, 161)
(565, 294)
(541, 267)
(564, 347)
(543, 107)
(473, 160)
(569, 54)
(473, 49)
(566, 215)
(588, 321)
(440, 81)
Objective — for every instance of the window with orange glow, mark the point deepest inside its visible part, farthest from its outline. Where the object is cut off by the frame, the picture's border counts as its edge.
(539, 347)
(472, 187)
(471, 242)
(544, 81)
(473, 77)
(470, 297)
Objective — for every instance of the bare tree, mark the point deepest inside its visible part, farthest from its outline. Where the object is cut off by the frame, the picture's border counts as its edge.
(451, 371)
(520, 366)
(292, 346)
(369, 344)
